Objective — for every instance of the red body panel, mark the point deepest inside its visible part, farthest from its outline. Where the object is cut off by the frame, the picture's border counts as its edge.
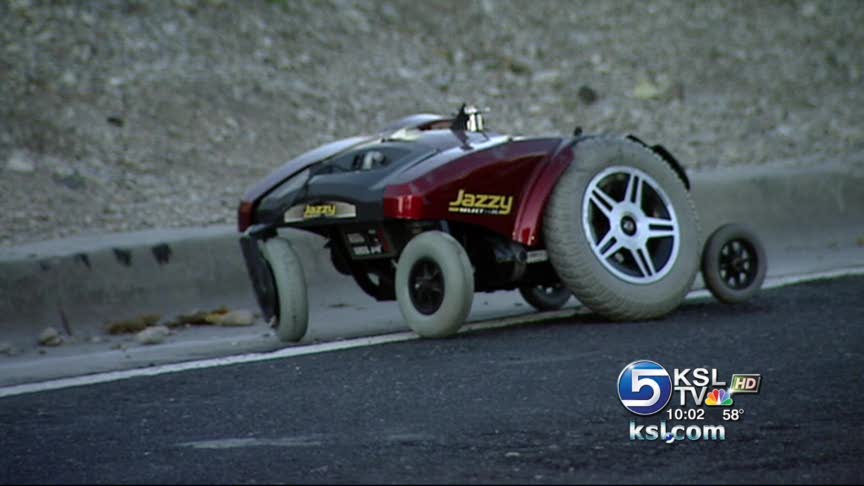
(529, 223)
(525, 170)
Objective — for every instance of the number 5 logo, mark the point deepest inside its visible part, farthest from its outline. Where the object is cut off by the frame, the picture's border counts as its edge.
(644, 387)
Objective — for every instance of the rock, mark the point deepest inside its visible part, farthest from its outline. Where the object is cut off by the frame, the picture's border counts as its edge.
(216, 316)
(198, 318)
(74, 181)
(808, 10)
(153, 335)
(69, 78)
(389, 13)
(8, 349)
(357, 19)
(406, 73)
(236, 318)
(646, 90)
(133, 325)
(546, 76)
(20, 161)
(785, 131)
(586, 94)
(50, 337)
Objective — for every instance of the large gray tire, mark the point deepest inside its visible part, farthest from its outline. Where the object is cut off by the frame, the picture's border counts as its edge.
(455, 276)
(571, 241)
(292, 316)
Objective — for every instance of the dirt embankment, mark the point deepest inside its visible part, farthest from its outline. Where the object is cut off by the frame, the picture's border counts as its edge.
(124, 115)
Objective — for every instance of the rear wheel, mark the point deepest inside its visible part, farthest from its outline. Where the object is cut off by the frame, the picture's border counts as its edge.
(292, 310)
(734, 264)
(621, 230)
(546, 297)
(434, 284)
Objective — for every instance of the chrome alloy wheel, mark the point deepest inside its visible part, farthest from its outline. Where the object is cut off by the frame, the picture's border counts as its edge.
(631, 224)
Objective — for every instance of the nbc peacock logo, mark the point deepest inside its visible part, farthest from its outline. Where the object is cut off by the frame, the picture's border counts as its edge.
(719, 398)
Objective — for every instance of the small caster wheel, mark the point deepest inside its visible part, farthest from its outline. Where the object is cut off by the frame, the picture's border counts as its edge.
(546, 297)
(734, 264)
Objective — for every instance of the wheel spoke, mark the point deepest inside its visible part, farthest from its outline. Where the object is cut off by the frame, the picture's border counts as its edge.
(611, 249)
(603, 201)
(643, 261)
(661, 228)
(633, 193)
(609, 236)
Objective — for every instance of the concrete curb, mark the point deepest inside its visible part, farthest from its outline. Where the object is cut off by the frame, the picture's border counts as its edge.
(788, 207)
(81, 283)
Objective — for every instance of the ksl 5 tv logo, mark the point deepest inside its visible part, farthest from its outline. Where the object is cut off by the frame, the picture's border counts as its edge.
(645, 387)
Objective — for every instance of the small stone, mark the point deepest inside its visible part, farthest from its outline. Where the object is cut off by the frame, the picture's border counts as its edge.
(785, 130)
(587, 94)
(406, 73)
(389, 13)
(74, 181)
(216, 316)
(198, 317)
(357, 19)
(546, 76)
(809, 9)
(20, 161)
(68, 78)
(646, 90)
(129, 326)
(153, 335)
(236, 318)
(8, 349)
(50, 337)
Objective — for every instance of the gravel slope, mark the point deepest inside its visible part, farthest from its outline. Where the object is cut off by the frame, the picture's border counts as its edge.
(121, 115)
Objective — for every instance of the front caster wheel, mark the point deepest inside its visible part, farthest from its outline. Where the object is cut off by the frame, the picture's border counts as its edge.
(434, 284)
(546, 297)
(734, 264)
(292, 309)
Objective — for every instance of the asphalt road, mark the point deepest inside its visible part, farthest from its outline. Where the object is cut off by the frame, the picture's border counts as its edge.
(535, 403)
